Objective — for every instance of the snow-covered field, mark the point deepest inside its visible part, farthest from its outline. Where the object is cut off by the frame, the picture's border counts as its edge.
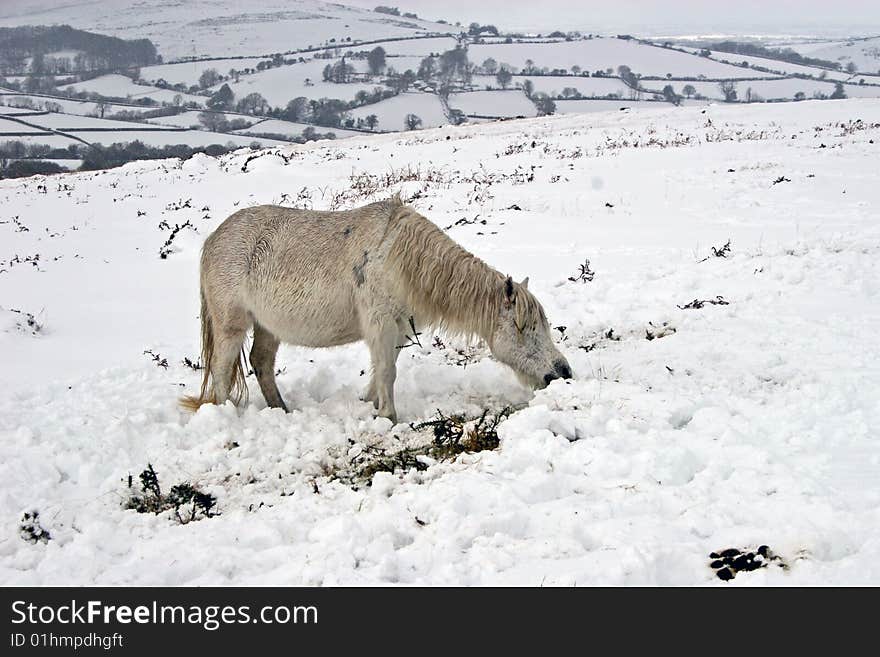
(592, 106)
(603, 53)
(120, 86)
(782, 88)
(391, 112)
(751, 423)
(553, 85)
(775, 65)
(189, 72)
(218, 28)
(864, 53)
(281, 85)
(291, 129)
(68, 106)
(511, 102)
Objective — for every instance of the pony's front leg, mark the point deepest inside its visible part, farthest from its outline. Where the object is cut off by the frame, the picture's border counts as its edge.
(382, 341)
(370, 394)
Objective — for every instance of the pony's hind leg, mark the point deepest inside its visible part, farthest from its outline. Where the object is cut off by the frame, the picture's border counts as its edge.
(230, 329)
(263, 353)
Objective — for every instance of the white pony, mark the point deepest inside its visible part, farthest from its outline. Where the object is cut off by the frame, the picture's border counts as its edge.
(321, 279)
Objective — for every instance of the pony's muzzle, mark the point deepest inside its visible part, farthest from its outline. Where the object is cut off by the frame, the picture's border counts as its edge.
(561, 370)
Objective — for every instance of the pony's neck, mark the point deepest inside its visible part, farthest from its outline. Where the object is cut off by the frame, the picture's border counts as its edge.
(444, 284)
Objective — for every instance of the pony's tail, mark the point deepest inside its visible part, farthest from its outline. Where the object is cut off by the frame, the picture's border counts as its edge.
(189, 402)
(238, 390)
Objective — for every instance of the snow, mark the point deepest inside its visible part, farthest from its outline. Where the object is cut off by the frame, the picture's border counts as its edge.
(603, 53)
(493, 103)
(218, 28)
(865, 53)
(554, 84)
(120, 86)
(753, 423)
(53, 141)
(74, 122)
(69, 106)
(291, 129)
(9, 126)
(282, 84)
(188, 73)
(420, 48)
(776, 66)
(591, 106)
(190, 119)
(778, 89)
(391, 112)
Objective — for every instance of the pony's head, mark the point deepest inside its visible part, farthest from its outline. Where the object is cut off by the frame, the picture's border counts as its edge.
(521, 338)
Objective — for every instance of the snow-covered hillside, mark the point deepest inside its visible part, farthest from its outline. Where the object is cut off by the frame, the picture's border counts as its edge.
(218, 28)
(723, 397)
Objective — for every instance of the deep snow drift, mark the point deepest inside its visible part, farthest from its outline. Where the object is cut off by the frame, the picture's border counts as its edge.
(749, 421)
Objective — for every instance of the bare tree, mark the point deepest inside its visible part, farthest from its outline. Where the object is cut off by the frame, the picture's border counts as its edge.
(209, 78)
(503, 77)
(412, 122)
(253, 103)
(728, 88)
(376, 60)
(213, 121)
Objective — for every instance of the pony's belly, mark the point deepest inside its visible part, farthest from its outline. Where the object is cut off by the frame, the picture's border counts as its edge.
(310, 329)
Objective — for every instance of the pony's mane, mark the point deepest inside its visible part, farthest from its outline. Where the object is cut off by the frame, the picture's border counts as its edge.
(445, 285)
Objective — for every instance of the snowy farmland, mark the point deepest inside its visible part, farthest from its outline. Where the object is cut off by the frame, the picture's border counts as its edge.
(510, 103)
(217, 28)
(864, 53)
(62, 130)
(188, 73)
(605, 53)
(718, 402)
(291, 130)
(393, 111)
(120, 86)
(281, 85)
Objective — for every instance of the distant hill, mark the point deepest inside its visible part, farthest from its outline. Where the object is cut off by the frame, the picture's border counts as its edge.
(221, 28)
(20, 45)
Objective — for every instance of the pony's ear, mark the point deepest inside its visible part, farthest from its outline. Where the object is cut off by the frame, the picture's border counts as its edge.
(508, 290)
(525, 283)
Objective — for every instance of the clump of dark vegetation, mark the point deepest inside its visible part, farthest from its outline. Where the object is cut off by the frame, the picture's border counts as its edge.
(460, 356)
(585, 274)
(604, 336)
(26, 168)
(28, 323)
(696, 304)
(107, 157)
(165, 249)
(452, 435)
(721, 252)
(157, 358)
(31, 530)
(187, 501)
(413, 338)
(195, 365)
(781, 179)
(728, 563)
